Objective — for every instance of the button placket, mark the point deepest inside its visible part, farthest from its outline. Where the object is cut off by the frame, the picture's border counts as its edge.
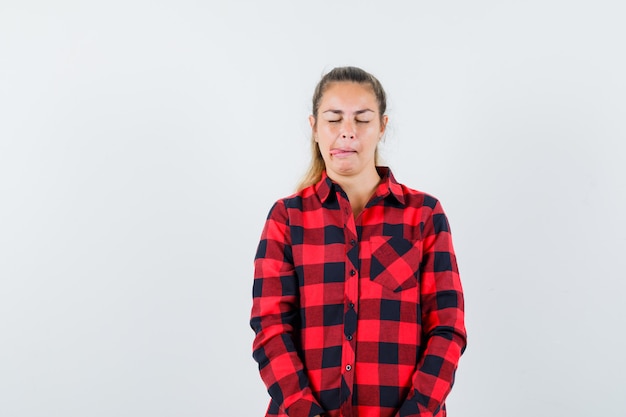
(351, 294)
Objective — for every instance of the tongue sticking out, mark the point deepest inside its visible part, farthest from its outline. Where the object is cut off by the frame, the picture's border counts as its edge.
(342, 152)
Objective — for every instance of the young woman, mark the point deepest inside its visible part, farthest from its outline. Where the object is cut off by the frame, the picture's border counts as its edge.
(357, 304)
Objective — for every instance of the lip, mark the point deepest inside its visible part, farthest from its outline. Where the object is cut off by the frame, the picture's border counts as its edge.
(342, 152)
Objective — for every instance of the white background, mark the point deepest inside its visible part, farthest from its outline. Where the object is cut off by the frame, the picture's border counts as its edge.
(142, 144)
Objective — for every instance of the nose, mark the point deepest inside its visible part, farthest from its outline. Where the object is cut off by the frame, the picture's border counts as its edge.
(347, 131)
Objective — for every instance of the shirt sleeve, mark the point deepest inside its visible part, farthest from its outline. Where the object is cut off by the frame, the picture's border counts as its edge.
(275, 318)
(443, 322)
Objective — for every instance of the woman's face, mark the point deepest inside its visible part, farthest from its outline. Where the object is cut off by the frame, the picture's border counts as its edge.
(347, 129)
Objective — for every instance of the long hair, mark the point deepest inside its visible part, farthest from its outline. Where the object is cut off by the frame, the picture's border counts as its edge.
(339, 74)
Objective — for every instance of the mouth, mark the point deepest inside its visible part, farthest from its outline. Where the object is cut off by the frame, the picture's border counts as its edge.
(342, 152)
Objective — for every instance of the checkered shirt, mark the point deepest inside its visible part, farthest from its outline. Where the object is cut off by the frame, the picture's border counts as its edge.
(357, 316)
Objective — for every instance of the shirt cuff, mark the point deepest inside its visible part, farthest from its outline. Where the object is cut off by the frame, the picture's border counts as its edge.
(413, 408)
(304, 408)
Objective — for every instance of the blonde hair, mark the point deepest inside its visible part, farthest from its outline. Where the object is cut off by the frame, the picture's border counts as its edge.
(339, 74)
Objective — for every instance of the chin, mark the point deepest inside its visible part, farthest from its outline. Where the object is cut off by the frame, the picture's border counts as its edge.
(345, 171)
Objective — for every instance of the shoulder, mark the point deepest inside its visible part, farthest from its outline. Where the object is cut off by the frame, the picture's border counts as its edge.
(415, 198)
(408, 196)
(297, 201)
(427, 209)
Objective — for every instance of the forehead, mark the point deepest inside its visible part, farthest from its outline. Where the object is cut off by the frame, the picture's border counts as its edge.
(349, 95)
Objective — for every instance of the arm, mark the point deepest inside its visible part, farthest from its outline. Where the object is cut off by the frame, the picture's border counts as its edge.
(444, 334)
(274, 318)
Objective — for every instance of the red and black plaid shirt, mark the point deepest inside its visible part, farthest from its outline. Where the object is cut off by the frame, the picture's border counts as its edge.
(357, 316)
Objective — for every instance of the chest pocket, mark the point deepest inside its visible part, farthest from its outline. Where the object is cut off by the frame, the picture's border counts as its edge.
(394, 262)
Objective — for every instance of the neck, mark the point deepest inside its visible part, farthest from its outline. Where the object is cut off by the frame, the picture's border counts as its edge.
(360, 189)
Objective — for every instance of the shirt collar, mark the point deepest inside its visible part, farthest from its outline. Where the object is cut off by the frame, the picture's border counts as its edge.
(324, 187)
(388, 186)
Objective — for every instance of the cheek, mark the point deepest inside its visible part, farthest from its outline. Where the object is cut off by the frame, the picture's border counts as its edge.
(331, 129)
(370, 128)
(327, 133)
(323, 140)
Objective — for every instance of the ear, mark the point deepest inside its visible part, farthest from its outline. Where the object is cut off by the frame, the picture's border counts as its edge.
(383, 125)
(313, 128)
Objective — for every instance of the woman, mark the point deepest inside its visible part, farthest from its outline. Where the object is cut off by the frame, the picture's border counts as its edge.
(357, 302)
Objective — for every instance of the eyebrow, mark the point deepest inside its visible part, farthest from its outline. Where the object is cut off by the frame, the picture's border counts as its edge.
(341, 111)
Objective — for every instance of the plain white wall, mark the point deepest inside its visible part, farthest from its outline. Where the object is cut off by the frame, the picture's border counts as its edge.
(143, 142)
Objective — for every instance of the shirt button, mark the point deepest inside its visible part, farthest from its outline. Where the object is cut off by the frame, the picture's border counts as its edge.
(352, 272)
(348, 368)
(351, 305)
(349, 337)
(353, 242)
